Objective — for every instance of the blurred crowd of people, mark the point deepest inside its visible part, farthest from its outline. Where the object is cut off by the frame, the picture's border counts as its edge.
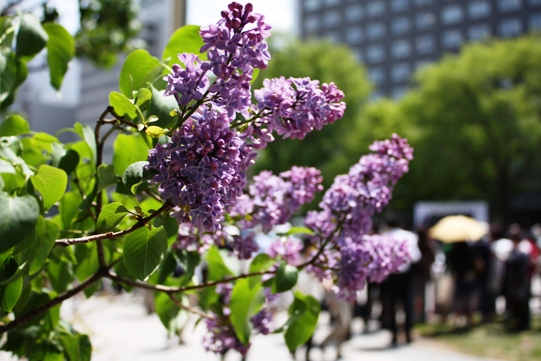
(449, 282)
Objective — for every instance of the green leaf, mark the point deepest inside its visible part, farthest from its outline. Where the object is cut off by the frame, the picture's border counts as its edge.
(189, 261)
(44, 246)
(261, 262)
(77, 347)
(66, 160)
(31, 37)
(304, 312)
(299, 230)
(216, 265)
(166, 309)
(18, 217)
(185, 40)
(143, 96)
(69, 205)
(8, 76)
(135, 174)
(123, 106)
(10, 293)
(111, 215)
(51, 183)
(245, 303)
(255, 75)
(139, 69)
(106, 176)
(87, 134)
(87, 260)
(14, 125)
(138, 151)
(60, 51)
(60, 275)
(286, 278)
(144, 251)
(161, 107)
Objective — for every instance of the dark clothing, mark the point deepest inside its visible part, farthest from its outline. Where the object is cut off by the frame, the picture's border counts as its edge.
(461, 261)
(517, 290)
(397, 289)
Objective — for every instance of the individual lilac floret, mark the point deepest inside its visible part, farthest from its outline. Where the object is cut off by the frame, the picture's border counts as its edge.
(202, 170)
(294, 107)
(289, 250)
(221, 337)
(272, 200)
(187, 82)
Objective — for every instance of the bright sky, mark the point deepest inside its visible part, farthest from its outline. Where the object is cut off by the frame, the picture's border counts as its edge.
(280, 14)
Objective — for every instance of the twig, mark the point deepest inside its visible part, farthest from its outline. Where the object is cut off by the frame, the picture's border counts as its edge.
(112, 235)
(189, 308)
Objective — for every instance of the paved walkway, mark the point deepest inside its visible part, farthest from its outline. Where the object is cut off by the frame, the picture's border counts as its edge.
(121, 330)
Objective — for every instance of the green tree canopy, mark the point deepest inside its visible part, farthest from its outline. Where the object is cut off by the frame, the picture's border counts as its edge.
(324, 149)
(474, 120)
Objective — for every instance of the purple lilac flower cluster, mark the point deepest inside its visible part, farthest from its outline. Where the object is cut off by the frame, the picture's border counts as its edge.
(272, 200)
(201, 171)
(221, 337)
(294, 107)
(235, 46)
(288, 249)
(345, 219)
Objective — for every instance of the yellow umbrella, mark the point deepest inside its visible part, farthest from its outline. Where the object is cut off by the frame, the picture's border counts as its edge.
(458, 228)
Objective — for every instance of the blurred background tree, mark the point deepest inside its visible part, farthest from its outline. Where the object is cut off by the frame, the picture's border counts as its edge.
(474, 120)
(325, 149)
(107, 27)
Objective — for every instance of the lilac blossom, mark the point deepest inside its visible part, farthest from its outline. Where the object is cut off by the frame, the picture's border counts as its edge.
(288, 249)
(202, 170)
(221, 337)
(294, 107)
(272, 200)
(188, 82)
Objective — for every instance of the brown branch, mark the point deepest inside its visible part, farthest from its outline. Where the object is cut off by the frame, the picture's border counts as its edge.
(189, 308)
(47, 306)
(112, 235)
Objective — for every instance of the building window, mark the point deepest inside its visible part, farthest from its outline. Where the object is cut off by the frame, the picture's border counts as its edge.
(332, 2)
(375, 53)
(452, 39)
(535, 22)
(423, 63)
(375, 30)
(451, 14)
(509, 5)
(400, 72)
(399, 5)
(375, 8)
(354, 13)
(423, 2)
(401, 25)
(310, 5)
(354, 35)
(333, 36)
(425, 44)
(425, 20)
(358, 55)
(479, 32)
(400, 49)
(331, 18)
(510, 27)
(398, 92)
(478, 9)
(376, 74)
(535, 2)
(311, 24)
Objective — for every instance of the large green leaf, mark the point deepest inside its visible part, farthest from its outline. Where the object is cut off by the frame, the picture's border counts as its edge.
(18, 216)
(166, 309)
(69, 205)
(51, 183)
(10, 293)
(66, 160)
(139, 69)
(286, 278)
(43, 246)
(77, 347)
(60, 51)
(87, 260)
(246, 301)
(144, 251)
(185, 40)
(14, 124)
(106, 176)
(138, 151)
(87, 134)
(261, 262)
(122, 105)
(135, 176)
(304, 312)
(216, 265)
(60, 275)
(31, 38)
(161, 106)
(111, 215)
